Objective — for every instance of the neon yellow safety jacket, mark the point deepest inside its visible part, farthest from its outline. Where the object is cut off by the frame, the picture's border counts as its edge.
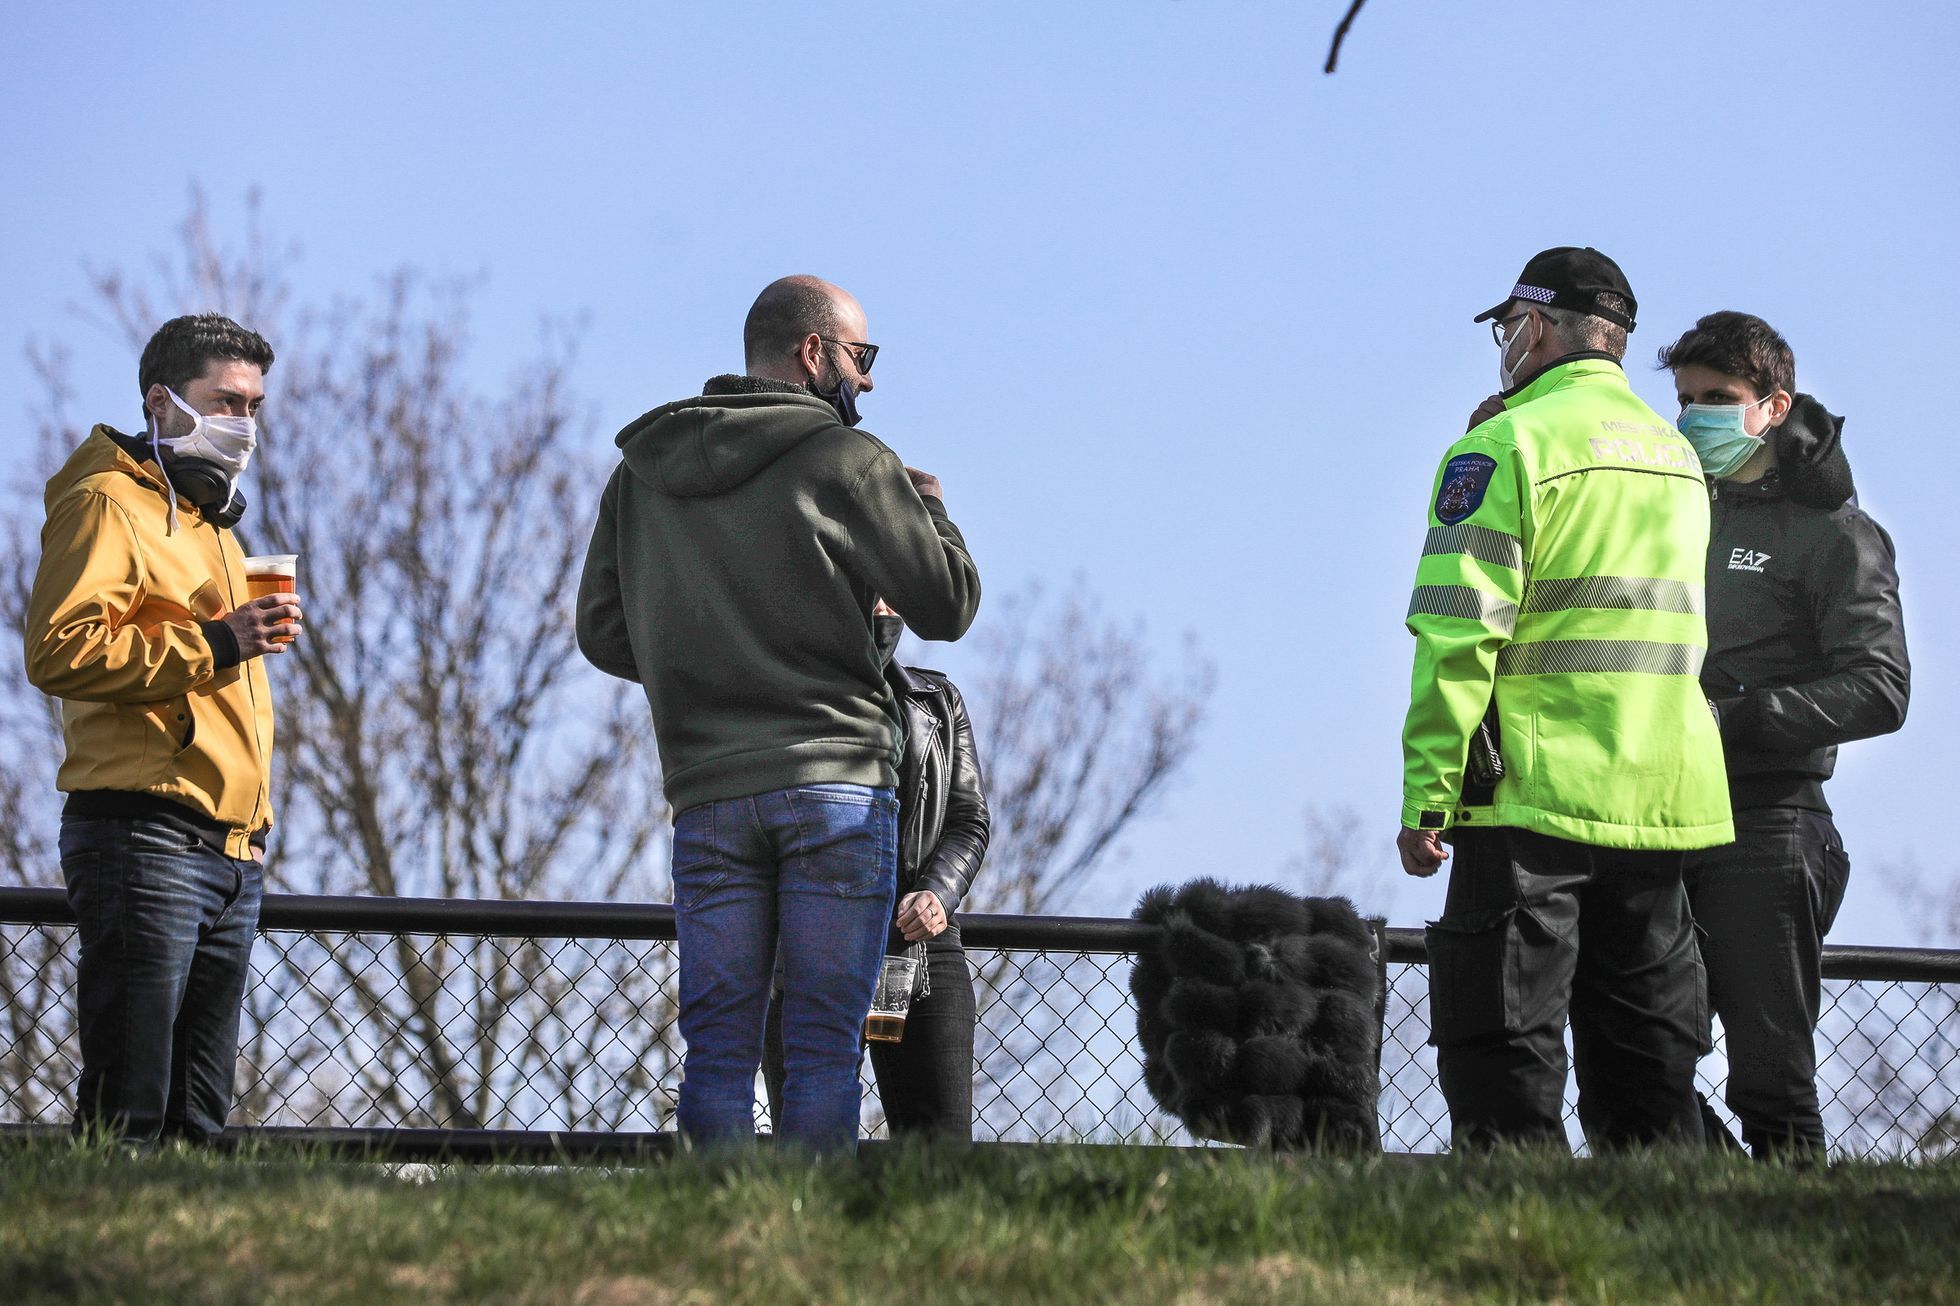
(1561, 581)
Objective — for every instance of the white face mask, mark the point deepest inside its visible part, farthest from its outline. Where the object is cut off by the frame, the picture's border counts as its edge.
(225, 443)
(1507, 372)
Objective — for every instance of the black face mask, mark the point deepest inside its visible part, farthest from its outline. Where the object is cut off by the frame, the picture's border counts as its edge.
(885, 633)
(843, 397)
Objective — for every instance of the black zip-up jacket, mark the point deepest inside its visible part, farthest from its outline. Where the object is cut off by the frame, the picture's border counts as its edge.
(1806, 644)
(943, 821)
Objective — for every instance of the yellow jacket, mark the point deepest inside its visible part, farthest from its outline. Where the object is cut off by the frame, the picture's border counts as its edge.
(113, 632)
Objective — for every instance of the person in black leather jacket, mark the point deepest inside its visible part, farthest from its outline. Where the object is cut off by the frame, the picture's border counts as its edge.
(925, 1081)
(1806, 651)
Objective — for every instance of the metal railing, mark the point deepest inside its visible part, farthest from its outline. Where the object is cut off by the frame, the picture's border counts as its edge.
(506, 1017)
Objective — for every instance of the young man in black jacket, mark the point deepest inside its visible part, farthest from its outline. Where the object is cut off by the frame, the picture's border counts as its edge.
(1806, 651)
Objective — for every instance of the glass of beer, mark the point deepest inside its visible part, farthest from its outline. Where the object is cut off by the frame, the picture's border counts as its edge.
(893, 998)
(272, 573)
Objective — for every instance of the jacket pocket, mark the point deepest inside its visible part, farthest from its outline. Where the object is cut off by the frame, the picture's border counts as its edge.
(169, 727)
(1473, 976)
(697, 866)
(1828, 870)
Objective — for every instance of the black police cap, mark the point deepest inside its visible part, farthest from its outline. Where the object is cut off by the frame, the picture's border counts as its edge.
(1571, 277)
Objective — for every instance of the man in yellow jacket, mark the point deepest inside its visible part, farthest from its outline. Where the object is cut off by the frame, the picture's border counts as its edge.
(140, 623)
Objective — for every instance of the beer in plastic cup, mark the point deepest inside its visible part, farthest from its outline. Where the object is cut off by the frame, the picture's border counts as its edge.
(893, 998)
(272, 573)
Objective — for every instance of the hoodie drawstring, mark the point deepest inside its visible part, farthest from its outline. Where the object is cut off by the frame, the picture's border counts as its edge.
(169, 490)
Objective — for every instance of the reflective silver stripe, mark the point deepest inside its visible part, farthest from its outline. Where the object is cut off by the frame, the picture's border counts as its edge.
(1564, 657)
(1479, 542)
(1623, 593)
(1464, 601)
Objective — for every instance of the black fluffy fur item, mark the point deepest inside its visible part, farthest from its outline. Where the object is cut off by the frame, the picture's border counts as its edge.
(1256, 1009)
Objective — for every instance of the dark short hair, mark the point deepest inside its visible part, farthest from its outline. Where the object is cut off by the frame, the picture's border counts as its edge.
(786, 311)
(1737, 344)
(184, 346)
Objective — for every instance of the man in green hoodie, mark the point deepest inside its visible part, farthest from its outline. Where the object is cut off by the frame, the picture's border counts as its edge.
(740, 547)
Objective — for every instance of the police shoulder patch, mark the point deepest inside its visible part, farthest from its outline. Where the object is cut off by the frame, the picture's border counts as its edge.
(1465, 478)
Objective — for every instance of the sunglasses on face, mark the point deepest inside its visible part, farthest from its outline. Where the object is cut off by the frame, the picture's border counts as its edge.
(863, 353)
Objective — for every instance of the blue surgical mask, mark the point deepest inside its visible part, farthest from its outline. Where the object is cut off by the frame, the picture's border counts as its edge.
(1719, 438)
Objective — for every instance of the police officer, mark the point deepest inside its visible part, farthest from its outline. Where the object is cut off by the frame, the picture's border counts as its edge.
(1806, 651)
(1558, 737)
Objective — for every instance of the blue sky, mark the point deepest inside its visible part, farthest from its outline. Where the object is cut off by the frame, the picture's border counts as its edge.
(1164, 307)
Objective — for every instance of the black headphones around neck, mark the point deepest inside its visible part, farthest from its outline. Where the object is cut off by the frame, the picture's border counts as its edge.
(205, 484)
(200, 480)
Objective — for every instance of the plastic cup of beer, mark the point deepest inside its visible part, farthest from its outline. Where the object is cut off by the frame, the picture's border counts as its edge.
(272, 573)
(893, 998)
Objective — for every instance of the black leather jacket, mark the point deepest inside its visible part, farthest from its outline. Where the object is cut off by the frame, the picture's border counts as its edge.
(943, 825)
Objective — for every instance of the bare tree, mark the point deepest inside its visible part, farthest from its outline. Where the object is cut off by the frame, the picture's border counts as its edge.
(1894, 1046)
(1079, 735)
(438, 733)
(1341, 34)
(1341, 860)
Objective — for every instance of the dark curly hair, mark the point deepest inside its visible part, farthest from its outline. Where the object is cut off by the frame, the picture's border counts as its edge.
(1737, 344)
(184, 346)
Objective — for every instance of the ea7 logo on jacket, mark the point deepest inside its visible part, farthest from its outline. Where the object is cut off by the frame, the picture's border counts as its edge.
(1747, 560)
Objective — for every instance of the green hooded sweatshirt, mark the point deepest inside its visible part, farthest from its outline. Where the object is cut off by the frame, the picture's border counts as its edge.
(740, 546)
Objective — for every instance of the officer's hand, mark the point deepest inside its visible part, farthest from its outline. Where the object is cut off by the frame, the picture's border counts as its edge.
(926, 483)
(1486, 410)
(921, 915)
(265, 625)
(1422, 851)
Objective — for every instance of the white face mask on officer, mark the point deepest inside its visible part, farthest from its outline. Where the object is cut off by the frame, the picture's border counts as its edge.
(1507, 372)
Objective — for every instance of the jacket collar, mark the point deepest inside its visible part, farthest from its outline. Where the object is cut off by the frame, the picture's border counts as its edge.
(731, 383)
(134, 459)
(1561, 372)
(1768, 486)
(109, 450)
(905, 681)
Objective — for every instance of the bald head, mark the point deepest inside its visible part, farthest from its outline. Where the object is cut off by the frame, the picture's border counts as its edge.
(787, 313)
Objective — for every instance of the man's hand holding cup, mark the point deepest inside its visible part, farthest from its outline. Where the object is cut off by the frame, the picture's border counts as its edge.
(269, 620)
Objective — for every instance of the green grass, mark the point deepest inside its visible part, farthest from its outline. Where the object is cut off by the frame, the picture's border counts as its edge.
(1084, 1224)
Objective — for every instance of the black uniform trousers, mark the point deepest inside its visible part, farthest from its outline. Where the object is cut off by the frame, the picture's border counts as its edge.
(1764, 904)
(1536, 929)
(925, 1080)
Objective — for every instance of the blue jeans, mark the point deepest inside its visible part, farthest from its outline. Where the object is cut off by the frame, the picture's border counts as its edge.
(165, 923)
(811, 870)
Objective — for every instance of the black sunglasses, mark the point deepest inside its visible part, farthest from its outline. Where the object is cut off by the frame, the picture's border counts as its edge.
(863, 353)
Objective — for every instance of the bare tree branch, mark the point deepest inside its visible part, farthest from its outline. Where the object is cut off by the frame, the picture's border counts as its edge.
(1340, 35)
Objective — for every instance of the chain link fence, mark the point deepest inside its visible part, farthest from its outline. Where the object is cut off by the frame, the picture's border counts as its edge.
(354, 1021)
